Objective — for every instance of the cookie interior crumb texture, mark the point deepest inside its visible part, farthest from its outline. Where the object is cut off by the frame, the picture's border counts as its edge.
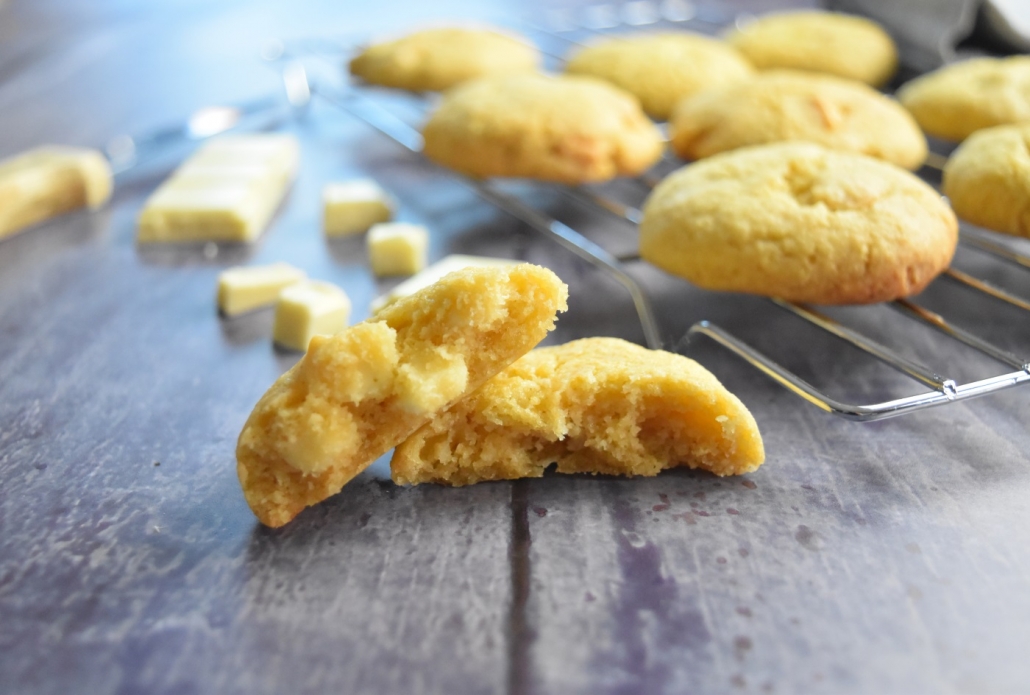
(439, 58)
(840, 44)
(357, 394)
(598, 405)
(962, 98)
(567, 129)
(987, 179)
(800, 222)
(783, 105)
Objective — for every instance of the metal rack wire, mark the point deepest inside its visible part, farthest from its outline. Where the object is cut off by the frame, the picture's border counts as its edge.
(943, 389)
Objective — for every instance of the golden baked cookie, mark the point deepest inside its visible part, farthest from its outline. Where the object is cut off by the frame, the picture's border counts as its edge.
(437, 59)
(599, 405)
(960, 99)
(987, 179)
(840, 44)
(788, 105)
(555, 128)
(355, 395)
(49, 181)
(800, 222)
(661, 69)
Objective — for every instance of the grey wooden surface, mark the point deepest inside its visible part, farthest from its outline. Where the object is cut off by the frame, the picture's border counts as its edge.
(886, 558)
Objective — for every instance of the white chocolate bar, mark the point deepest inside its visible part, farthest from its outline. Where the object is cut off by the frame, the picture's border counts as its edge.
(307, 309)
(247, 288)
(397, 248)
(351, 207)
(227, 191)
(447, 264)
(49, 181)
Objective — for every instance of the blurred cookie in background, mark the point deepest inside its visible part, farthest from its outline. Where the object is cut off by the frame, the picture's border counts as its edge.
(960, 99)
(839, 44)
(662, 69)
(438, 58)
(782, 105)
(566, 129)
(987, 179)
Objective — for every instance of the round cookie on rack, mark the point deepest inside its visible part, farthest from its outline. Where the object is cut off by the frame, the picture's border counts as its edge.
(553, 128)
(436, 59)
(987, 179)
(800, 222)
(840, 44)
(789, 105)
(958, 100)
(661, 69)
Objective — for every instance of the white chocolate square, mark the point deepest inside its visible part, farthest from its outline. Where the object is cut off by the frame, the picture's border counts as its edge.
(247, 288)
(427, 277)
(307, 309)
(227, 191)
(397, 248)
(351, 207)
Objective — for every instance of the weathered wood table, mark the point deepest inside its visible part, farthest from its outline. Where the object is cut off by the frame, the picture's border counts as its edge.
(886, 558)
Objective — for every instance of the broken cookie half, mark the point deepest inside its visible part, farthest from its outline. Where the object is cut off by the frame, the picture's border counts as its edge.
(357, 394)
(599, 405)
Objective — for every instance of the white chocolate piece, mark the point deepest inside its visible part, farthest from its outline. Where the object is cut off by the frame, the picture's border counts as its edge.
(397, 248)
(247, 288)
(351, 207)
(307, 309)
(430, 275)
(227, 191)
(49, 181)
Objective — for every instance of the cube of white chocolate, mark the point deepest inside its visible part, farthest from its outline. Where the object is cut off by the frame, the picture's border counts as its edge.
(397, 248)
(246, 288)
(354, 206)
(307, 309)
(427, 277)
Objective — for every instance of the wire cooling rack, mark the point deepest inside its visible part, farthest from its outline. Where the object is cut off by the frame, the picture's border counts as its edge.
(363, 104)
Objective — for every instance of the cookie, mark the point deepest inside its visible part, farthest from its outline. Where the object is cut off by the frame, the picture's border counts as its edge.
(599, 405)
(662, 69)
(788, 105)
(437, 59)
(960, 99)
(800, 222)
(840, 44)
(554, 128)
(987, 179)
(355, 395)
(49, 181)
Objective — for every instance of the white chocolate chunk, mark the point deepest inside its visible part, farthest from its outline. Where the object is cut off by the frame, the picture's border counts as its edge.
(49, 181)
(227, 191)
(397, 248)
(307, 309)
(246, 288)
(430, 275)
(354, 206)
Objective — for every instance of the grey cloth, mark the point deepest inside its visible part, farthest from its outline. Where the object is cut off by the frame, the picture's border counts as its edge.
(1010, 21)
(927, 31)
